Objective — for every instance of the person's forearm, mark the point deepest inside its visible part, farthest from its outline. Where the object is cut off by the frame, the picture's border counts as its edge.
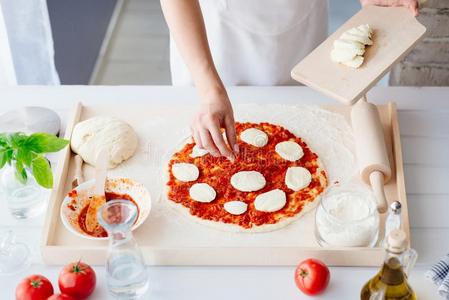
(413, 5)
(185, 20)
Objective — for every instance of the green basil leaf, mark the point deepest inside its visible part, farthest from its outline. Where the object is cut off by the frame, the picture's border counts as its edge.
(25, 156)
(5, 156)
(3, 140)
(44, 143)
(21, 174)
(42, 172)
(17, 139)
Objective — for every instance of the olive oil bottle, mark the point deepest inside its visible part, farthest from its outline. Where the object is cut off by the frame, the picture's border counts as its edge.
(390, 283)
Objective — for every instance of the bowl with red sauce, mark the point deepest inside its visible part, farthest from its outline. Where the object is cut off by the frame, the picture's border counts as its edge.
(75, 205)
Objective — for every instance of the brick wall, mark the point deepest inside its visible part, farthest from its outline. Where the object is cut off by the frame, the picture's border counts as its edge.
(428, 63)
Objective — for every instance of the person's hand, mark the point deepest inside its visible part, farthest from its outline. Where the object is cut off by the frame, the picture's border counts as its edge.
(186, 24)
(413, 5)
(215, 113)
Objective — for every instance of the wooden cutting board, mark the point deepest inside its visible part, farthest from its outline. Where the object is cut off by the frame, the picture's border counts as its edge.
(396, 32)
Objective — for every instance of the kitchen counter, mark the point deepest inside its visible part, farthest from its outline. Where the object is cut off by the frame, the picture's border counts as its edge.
(424, 125)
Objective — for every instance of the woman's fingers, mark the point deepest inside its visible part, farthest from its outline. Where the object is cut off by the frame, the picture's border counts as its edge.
(196, 137)
(207, 142)
(215, 113)
(219, 141)
(413, 5)
(230, 134)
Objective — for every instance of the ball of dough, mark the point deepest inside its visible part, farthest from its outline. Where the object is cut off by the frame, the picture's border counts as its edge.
(118, 137)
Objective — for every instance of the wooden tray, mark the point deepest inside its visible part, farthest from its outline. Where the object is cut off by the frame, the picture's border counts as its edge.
(161, 246)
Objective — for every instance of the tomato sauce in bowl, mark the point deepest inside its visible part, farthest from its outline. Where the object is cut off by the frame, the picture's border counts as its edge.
(74, 207)
(99, 231)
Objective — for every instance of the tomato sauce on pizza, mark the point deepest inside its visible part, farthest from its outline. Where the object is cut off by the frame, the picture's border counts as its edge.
(217, 172)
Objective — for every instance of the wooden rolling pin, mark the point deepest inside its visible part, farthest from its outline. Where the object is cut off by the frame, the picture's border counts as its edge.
(372, 155)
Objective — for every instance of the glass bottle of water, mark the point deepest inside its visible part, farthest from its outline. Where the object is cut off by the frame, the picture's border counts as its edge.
(127, 277)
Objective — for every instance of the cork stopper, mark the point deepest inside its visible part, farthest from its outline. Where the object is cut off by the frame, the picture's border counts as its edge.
(397, 241)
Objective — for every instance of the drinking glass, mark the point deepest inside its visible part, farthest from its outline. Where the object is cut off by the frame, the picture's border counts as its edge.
(23, 200)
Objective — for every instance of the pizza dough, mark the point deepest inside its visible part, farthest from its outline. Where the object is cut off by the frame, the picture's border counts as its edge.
(254, 137)
(270, 201)
(202, 192)
(198, 152)
(297, 178)
(248, 181)
(289, 150)
(185, 172)
(350, 47)
(234, 210)
(235, 207)
(116, 136)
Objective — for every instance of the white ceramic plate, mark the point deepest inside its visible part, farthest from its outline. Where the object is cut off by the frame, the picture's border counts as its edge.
(137, 191)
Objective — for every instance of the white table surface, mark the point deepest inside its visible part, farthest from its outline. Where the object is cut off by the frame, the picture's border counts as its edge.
(424, 124)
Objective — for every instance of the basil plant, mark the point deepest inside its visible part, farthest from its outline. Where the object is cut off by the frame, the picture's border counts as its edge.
(28, 152)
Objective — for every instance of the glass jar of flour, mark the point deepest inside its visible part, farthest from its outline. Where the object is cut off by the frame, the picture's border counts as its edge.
(347, 218)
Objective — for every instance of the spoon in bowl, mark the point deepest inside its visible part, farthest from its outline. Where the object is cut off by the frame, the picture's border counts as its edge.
(98, 198)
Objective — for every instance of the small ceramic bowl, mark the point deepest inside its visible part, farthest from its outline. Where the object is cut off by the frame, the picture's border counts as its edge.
(72, 206)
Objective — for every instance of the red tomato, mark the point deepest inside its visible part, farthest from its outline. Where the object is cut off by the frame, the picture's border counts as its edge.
(61, 297)
(312, 276)
(77, 280)
(34, 287)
